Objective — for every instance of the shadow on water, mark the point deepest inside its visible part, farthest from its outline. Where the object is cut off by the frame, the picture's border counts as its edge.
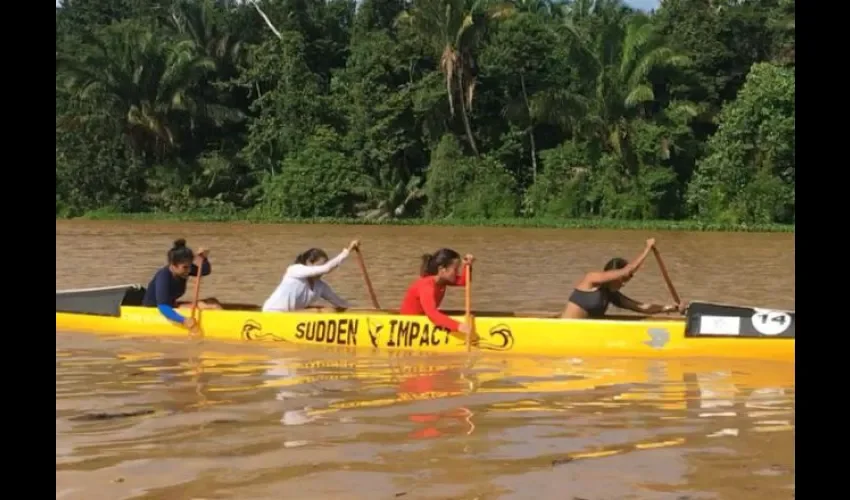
(172, 420)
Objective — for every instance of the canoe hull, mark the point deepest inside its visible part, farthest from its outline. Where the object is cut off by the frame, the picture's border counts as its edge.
(656, 337)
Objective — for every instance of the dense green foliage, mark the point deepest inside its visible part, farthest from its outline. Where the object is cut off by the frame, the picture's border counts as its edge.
(443, 109)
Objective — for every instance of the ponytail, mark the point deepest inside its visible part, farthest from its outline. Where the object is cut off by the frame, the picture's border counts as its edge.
(180, 253)
(425, 266)
(311, 255)
(441, 258)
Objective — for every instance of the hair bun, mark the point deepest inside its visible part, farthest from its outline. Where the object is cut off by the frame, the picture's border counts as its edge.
(180, 243)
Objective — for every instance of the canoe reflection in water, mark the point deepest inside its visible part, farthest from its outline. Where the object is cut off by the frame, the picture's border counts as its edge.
(334, 376)
(283, 370)
(445, 383)
(444, 399)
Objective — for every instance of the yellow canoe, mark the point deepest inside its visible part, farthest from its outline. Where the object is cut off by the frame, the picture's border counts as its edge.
(707, 330)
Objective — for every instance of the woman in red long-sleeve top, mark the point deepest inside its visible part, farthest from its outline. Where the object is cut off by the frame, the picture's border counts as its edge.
(426, 293)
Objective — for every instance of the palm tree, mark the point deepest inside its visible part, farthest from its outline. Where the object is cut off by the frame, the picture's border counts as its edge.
(140, 77)
(619, 51)
(454, 29)
(197, 21)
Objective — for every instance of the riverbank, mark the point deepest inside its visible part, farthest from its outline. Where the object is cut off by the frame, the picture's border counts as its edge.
(519, 222)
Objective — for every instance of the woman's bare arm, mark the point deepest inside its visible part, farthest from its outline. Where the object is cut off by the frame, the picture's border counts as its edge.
(597, 278)
(623, 302)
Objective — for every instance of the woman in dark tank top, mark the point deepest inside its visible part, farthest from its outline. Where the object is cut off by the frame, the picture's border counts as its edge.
(598, 289)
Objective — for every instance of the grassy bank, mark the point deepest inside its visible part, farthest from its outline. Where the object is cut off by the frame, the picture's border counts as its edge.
(656, 225)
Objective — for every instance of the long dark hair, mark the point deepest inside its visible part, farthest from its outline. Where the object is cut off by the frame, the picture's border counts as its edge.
(311, 255)
(180, 253)
(441, 258)
(616, 263)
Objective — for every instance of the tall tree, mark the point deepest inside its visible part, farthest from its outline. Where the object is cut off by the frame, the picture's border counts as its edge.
(454, 29)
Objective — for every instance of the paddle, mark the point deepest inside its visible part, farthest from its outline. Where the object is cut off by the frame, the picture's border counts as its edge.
(195, 299)
(666, 276)
(366, 279)
(468, 289)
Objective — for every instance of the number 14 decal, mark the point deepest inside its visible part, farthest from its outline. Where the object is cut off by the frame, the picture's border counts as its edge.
(765, 317)
(771, 322)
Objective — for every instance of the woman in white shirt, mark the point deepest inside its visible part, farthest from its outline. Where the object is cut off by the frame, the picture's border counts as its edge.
(302, 283)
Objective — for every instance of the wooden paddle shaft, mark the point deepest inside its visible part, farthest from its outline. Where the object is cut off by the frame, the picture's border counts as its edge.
(197, 290)
(468, 292)
(368, 281)
(666, 276)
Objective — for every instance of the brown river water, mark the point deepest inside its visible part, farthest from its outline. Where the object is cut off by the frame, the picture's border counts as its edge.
(174, 419)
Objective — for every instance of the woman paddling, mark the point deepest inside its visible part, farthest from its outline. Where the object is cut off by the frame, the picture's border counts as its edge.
(302, 282)
(426, 293)
(169, 283)
(598, 289)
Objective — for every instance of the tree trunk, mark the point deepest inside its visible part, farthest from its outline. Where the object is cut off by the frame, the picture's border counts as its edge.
(464, 115)
(530, 129)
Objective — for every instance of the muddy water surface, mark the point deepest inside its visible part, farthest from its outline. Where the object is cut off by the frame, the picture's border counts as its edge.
(181, 420)
(516, 269)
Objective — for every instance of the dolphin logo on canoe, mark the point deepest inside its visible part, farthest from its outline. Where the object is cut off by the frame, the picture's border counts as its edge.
(253, 330)
(505, 337)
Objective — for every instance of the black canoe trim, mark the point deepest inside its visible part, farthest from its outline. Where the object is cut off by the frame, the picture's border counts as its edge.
(101, 301)
(705, 319)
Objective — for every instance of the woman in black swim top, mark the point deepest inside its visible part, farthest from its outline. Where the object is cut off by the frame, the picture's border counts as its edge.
(598, 289)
